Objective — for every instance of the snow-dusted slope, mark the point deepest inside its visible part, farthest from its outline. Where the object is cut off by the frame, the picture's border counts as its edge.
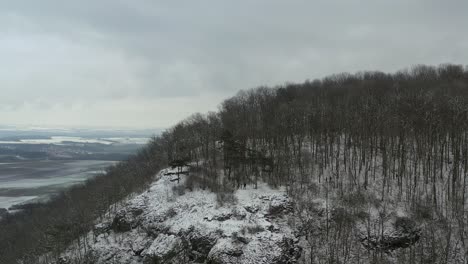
(170, 224)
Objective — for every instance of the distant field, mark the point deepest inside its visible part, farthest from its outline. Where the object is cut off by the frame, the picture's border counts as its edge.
(28, 180)
(36, 163)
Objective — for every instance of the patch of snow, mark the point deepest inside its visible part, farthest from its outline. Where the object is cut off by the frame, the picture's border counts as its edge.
(161, 218)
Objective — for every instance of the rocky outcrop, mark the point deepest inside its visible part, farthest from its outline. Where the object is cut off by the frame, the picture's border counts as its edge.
(200, 245)
(277, 251)
(122, 222)
(102, 228)
(225, 252)
(164, 248)
(279, 205)
(127, 218)
(404, 234)
(165, 226)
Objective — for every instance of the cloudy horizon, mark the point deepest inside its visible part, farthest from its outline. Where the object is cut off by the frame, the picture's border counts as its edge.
(146, 64)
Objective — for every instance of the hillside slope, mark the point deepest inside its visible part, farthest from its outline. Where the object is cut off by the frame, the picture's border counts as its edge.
(171, 224)
(374, 167)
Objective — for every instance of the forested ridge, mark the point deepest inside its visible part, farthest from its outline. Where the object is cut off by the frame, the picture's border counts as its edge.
(363, 140)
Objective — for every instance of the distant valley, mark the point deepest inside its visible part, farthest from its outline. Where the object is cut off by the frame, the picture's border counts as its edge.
(36, 163)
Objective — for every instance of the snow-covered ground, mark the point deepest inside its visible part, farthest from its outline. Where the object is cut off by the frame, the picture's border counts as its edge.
(168, 222)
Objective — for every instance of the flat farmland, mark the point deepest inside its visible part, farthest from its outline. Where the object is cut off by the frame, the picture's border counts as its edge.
(35, 180)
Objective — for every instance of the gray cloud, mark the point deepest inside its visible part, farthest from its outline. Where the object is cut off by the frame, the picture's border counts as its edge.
(130, 63)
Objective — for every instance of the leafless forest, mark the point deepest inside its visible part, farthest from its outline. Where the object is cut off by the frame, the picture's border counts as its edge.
(365, 143)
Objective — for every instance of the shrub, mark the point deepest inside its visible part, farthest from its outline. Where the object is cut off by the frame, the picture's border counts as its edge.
(342, 216)
(361, 215)
(223, 198)
(423, 212)
(190, 182)
(355, 199)
(178, 189)
(404, 224)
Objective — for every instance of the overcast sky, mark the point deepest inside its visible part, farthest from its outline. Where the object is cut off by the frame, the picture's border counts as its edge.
(143, 64)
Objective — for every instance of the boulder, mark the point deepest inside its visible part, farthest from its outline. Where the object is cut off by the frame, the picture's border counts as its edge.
(222, 217)
(126, 220)
(276, 250)
(164, 249)
(239, 214)
(136, 211)
(251, 209)
(122, 222)
(63, 260)
(225, 252)
(154, 229)
(200, 245)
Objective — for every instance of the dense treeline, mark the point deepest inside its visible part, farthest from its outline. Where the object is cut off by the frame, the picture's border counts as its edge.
(400, 138)
(412, 123)
(391, 138)
(49, 228)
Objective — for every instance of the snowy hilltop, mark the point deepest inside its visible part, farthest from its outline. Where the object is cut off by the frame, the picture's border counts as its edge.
(169, 223)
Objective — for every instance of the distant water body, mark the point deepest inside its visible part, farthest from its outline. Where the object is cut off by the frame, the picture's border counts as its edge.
(30, 181)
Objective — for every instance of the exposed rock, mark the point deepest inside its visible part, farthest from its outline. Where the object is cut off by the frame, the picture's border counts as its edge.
(200, 245)
(225, 253)
(102, 228)
(238, 214)
(165, 248)
(273, 228)
(404, 234)
(154, 229)
(392, 241)
(222, 217)
(279, 205)
(139, 245)
(240, 238)
(121, 223)
(159, 227)
(235, 252)
(243, 239)
(63, 260)
(251, 209)
(125, 220)
(137, 211)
